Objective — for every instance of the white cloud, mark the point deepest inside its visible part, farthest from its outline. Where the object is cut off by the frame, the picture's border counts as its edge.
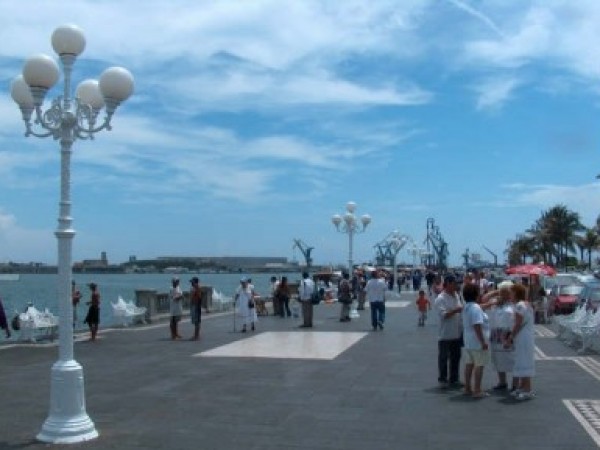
(486, 20)
(493, 93)
(583, 199)
(531, 39)
(30, 245)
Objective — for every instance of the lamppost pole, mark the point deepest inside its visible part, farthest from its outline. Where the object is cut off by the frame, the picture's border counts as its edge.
(348, 224)
(67, 120)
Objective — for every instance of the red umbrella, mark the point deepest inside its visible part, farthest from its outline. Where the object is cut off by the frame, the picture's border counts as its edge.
(531, 269)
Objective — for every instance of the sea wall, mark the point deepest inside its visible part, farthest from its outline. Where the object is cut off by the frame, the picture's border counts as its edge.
(157, 303)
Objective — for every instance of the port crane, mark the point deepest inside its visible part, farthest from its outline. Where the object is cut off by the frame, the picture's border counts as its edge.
(493, 255)
(305, 250)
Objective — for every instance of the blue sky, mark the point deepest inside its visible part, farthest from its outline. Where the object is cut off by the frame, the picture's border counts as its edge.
(253, 122)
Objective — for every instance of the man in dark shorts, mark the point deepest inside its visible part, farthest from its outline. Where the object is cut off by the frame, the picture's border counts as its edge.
(195, 307)
(93, 315)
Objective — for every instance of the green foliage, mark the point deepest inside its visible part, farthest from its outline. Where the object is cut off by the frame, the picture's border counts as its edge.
(553, 238)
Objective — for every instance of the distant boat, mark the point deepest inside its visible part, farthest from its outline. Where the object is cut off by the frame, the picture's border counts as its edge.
(9, 276)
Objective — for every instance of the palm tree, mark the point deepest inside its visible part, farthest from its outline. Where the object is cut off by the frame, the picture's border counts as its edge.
(589, 242)
(521, 248)
(560, 226)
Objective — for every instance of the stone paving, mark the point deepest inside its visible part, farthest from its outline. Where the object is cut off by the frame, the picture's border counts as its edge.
(337, 386)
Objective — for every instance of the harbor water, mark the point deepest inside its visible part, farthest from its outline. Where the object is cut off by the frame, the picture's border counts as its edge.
(41, 290)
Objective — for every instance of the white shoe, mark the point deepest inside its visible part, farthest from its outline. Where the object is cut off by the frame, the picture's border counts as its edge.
(525, 395)
(515, 393)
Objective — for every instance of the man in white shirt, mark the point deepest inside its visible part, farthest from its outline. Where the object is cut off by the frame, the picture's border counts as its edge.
(449, 307)
(375, 292)
(305, 292)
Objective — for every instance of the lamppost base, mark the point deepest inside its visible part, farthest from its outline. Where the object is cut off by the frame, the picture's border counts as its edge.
(68, 421)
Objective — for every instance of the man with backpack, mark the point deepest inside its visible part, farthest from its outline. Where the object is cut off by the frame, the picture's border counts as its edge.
(345, 297)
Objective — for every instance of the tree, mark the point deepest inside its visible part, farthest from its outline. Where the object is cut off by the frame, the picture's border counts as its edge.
(589, 242)
(519, 249)
(560, 226)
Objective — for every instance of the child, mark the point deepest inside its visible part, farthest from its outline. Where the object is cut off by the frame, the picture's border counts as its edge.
(423, 305)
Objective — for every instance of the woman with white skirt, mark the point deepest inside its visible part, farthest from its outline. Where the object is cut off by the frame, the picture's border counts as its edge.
(522, 336)
(245, 306)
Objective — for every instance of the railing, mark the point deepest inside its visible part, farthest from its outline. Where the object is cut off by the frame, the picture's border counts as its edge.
(157, 303)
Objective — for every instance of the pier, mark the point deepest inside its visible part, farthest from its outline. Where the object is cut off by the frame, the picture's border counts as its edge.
(337, 386)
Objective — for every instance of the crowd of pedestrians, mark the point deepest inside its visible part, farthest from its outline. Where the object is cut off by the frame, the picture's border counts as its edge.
(484, 324)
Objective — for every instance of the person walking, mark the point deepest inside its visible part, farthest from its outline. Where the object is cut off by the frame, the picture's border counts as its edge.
(375, 294)
(282, 294)
(423, 305)
(93, 315)
(476, 332)
(175, 308)
(244, 299)
(362, 296)
(305, 293)
(522, 337)
(195, 307)
(75, 299)
(449, 307)
(345, 297)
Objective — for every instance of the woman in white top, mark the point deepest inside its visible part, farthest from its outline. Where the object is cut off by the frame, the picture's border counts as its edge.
(502, 319)
(244, 300)
(175, 307)
(522, 336)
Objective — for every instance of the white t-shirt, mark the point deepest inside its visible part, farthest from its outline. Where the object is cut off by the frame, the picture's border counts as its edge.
(175, 301)
(307, 287)
(472, 314)
(375, 290)
(450, 327)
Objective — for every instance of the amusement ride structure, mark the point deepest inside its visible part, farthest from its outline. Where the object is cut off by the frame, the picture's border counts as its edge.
(437, 248)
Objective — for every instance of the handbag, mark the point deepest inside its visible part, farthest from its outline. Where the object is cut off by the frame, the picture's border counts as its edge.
(251, 303)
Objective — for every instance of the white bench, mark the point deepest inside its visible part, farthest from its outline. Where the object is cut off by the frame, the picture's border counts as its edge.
(35, 324)
(581, 329)
(573, 320)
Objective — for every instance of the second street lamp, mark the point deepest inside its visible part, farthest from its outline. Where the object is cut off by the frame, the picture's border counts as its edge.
(349, 224)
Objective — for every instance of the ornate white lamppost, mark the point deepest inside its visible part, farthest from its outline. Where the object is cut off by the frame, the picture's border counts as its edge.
(415, 251)
(397, 242)
(349, 224)
(67, 120)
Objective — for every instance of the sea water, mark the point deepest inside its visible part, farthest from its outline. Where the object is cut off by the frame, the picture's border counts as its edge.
(41, 290)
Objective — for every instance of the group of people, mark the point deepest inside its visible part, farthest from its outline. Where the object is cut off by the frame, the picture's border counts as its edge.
(493, 326)
(373, 292)
(176, 298)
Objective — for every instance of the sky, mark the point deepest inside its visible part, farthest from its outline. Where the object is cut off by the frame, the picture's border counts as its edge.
(253, 122)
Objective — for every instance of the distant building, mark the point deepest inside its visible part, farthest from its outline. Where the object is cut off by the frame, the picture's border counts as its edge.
(97, 265)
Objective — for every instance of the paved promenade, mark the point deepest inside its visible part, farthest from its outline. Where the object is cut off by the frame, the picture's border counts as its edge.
(338, 386)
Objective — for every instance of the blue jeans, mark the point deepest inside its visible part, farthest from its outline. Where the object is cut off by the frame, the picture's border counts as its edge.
(377, 313)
